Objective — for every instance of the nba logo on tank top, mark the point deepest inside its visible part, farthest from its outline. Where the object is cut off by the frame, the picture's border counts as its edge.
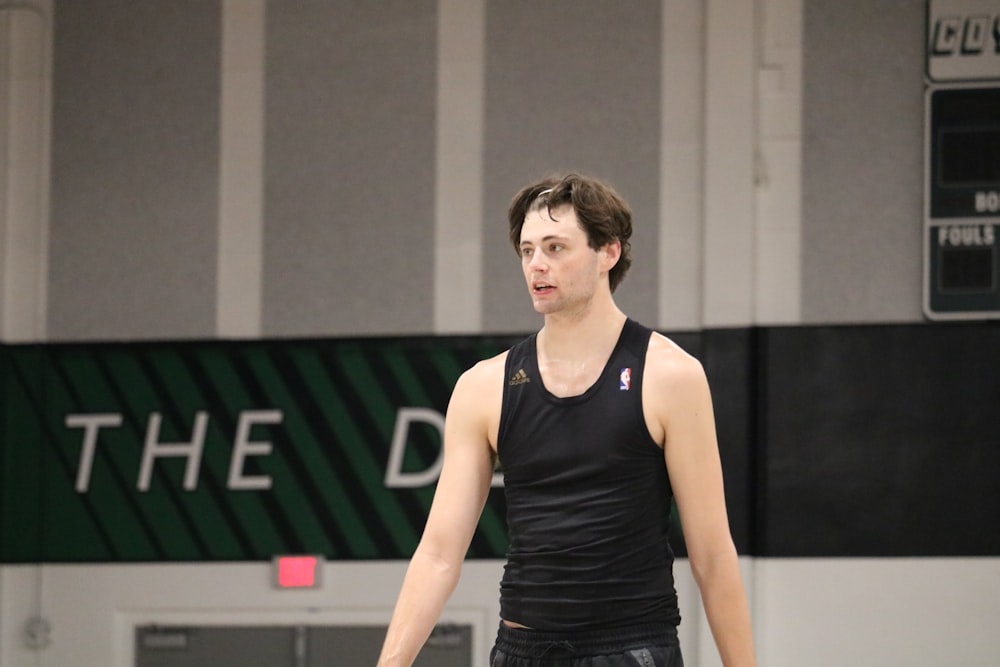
(625, 379)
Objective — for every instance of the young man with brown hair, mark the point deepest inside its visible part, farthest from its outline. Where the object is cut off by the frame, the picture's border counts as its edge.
(598, 422)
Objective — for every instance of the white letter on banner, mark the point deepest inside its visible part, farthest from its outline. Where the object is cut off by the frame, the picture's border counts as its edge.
(243, 448)
(189, 450)
(395, 478)
(91, 424)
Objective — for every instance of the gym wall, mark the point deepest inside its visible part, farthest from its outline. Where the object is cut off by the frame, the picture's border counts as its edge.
(240, 206)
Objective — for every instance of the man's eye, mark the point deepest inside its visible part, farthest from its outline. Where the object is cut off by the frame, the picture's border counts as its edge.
(525, 252)
(555, 247)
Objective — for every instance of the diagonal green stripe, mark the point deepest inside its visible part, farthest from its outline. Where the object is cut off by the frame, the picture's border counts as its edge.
(119, 452)
(356, 450)
(307, 444)
(200, 504)
(162, 503)
(25, 450)
(415, 395)
(246, 505)
(380, 409)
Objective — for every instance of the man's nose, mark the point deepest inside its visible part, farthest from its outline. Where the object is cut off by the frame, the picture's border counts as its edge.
(537, 261)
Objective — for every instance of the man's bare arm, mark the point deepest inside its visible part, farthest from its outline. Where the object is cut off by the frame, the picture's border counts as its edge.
(459, 498)
(683, 409)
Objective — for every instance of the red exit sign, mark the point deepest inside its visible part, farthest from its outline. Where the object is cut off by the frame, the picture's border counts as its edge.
(298, 571)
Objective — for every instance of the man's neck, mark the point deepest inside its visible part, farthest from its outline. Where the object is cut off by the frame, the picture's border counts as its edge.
(580, 336)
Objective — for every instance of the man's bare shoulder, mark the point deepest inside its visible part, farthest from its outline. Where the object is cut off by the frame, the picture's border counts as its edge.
(477, 398)
(669, 366)
(675, 392)
(484, 378)
(487, 370)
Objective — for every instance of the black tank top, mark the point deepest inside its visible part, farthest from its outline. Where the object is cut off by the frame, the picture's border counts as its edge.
(588, 498)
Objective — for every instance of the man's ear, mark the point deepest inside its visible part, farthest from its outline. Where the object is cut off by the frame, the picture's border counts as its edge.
(610, 254)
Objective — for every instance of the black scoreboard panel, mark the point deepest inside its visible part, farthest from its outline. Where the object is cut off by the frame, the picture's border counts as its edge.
(962, 203)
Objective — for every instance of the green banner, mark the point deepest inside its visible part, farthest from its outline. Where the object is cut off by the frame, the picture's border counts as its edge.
(221, 451)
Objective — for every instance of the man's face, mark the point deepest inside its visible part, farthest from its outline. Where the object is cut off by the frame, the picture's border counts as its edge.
(561, 270)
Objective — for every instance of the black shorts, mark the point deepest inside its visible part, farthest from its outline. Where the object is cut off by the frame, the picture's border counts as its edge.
(636, 646)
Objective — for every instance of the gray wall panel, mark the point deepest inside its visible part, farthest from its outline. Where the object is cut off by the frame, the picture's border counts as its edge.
(134, 169)
(349, 167)
(349, 219)
(570, 90)
(862, 162)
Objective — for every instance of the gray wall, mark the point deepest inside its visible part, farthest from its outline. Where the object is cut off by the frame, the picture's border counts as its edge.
(862, 166)
(135, 150)
(350, 110)
(342, 167)
(349, 146)
(581, 95)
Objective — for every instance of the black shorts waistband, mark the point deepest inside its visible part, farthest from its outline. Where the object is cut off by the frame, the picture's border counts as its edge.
(527, 643)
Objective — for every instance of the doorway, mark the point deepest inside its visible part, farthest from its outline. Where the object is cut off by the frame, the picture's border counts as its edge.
(290, 646)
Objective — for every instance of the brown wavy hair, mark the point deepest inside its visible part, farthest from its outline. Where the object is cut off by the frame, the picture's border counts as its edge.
(604, 216)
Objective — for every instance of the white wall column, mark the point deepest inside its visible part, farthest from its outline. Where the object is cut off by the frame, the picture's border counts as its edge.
(25, 128)
(682, 177)
(458, 196)
(241, 170)
(730, 128)
(778, 286)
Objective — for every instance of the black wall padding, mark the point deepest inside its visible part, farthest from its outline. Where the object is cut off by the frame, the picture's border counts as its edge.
(728, 356)
(835, 441)
(880, 440)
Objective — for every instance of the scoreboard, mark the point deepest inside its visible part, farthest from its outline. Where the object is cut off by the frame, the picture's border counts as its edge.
(962, 160)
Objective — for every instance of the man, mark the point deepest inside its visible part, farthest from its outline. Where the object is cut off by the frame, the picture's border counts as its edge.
(597, 422)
